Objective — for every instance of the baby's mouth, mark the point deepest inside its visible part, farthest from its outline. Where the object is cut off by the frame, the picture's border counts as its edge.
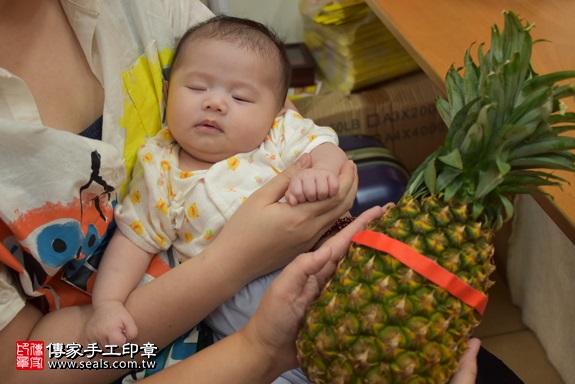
(208, 125)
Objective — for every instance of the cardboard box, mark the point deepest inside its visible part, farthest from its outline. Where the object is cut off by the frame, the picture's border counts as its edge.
(401, 113)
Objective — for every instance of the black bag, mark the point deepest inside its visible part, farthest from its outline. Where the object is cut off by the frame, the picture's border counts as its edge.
(382, 177)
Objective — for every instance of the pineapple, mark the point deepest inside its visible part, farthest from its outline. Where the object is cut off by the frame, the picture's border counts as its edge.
(382, 320)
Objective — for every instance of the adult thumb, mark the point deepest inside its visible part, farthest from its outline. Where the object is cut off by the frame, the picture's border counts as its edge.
(277, 187)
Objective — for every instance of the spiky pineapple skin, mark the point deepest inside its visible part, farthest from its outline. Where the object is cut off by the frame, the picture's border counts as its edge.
(378, 321)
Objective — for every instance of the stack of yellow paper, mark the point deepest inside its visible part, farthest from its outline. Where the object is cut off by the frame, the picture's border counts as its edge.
(351, 46)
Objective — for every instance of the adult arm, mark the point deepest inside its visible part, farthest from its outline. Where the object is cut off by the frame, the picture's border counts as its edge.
(249, 246)
(258, 353)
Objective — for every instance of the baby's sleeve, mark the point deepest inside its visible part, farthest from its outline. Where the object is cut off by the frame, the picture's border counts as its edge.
(144, 214)
(295, 135)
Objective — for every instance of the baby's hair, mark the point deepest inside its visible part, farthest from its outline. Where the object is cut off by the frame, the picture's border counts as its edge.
(246, 33)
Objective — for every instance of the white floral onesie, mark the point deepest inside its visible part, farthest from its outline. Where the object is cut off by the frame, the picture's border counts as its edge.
(186, 210)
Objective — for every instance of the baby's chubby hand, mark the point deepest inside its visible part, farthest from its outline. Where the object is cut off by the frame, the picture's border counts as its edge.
(312, 184)
(111, 324)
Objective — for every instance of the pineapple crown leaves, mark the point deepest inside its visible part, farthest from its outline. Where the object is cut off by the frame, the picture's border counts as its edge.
(504, 128)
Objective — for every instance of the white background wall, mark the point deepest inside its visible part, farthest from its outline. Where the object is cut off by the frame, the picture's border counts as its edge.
(282, 15)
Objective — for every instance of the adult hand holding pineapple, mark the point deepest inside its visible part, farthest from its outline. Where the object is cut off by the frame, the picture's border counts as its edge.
(297, 286)
(403, 304)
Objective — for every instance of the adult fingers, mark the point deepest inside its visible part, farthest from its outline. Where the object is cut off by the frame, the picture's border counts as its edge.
(467, 371)
(276, 188)
(339, 243)
(297, 274)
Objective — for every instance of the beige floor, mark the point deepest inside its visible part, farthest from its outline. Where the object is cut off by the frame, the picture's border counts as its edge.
(503, 334)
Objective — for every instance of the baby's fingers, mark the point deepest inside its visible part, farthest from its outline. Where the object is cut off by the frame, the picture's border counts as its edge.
(130, 329)
(116, 338)
(295, 194)
(332, 185)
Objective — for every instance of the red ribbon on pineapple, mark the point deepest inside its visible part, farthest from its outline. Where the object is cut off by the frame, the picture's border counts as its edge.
(424, 266)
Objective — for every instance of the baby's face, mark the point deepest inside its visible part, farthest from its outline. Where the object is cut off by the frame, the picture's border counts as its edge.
(221, 100)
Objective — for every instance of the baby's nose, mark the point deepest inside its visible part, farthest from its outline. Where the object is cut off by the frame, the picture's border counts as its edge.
(215, 102)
